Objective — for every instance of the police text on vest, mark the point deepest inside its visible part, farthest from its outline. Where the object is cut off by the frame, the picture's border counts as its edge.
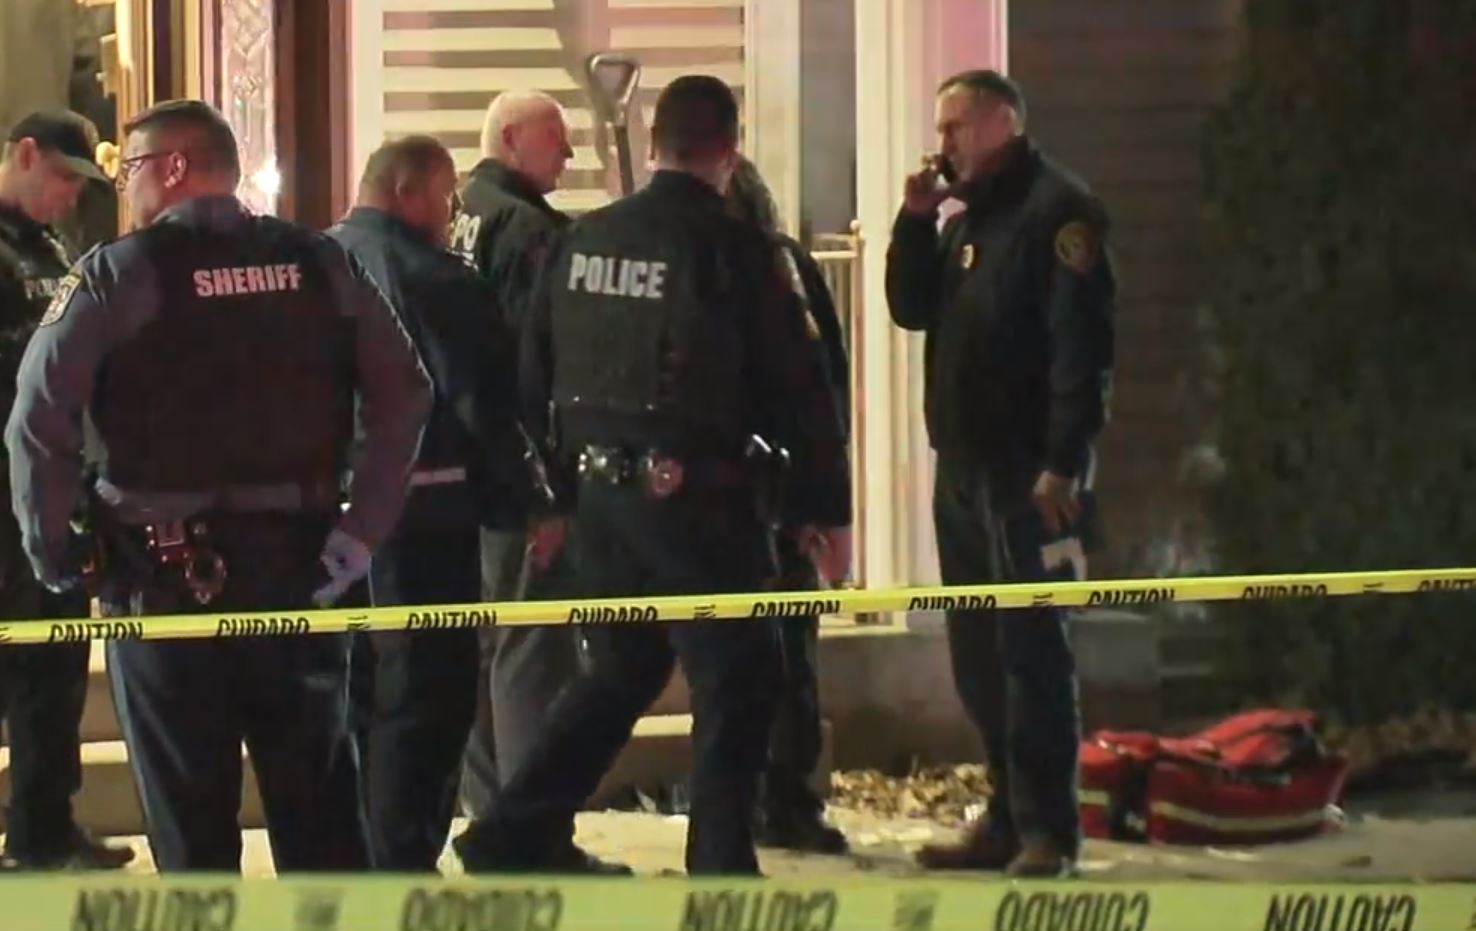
(252, 279)
(617, 277)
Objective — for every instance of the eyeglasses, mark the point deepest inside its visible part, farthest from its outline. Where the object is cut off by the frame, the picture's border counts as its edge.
(129, 167)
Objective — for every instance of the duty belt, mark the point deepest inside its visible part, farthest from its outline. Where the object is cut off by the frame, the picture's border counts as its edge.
(661, 475)
(421, 478)
(186, 546)
(136, 506)
(176, 536)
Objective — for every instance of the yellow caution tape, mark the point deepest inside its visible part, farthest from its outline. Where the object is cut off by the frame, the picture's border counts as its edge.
(750, 605)
(392, 903)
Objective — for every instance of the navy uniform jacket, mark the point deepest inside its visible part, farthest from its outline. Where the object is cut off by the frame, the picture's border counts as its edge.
(215, 349)
(1017, 297)
(454, 317)
(33, 262)
(505, 230)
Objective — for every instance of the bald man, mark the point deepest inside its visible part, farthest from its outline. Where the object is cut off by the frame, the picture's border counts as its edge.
(424, 682)
(507, 221)
(505, 229)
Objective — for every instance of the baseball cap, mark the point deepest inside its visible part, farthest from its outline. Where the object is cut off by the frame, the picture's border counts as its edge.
(71, 136)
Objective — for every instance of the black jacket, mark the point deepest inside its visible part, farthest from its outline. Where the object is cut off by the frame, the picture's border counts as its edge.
(33, 265)
(820, 306)
(664, 323)
(33, 262)
(505, 230)
(1017, 296)
(452, 315)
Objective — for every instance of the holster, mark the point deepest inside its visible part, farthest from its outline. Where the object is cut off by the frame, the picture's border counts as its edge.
(769, 467)
(161, 558)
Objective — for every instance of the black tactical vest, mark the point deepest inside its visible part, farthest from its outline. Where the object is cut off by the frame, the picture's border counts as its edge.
(33, 262)
(644, 337)
(245, 376)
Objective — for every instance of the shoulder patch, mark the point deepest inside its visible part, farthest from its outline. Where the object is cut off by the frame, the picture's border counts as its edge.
(1077, 247)
(58, 306)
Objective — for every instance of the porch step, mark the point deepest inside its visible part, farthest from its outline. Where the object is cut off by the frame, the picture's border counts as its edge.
(100, 719)
(659, 753)
(108, 803)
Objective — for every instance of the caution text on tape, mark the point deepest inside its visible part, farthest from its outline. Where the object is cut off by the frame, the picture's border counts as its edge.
(387, 903)
(747, 606)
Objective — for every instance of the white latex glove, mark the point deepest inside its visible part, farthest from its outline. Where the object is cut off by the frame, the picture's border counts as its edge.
(347, 561)
(829, 548)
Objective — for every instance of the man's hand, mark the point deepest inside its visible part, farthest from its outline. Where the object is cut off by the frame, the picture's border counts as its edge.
(347, 561)
(1056, 500)
(829, 548)
(920, 193)
(59, 583)
(546, 540)
(66, 570)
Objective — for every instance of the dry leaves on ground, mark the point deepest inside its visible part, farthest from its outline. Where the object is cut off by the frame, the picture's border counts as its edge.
(1428, 732)
(949, 795)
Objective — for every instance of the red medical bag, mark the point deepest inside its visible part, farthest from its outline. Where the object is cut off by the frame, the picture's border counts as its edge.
(1254, 778)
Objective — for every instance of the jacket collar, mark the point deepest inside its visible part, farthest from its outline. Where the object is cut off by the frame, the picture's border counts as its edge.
(212, 211)
(512, 181)
(681, 184)
(382, 221)
(1019, 164)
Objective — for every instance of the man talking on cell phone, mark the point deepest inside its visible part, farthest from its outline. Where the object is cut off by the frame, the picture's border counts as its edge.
(1016, 294)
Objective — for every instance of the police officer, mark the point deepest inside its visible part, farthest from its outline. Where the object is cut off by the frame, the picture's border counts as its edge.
(424, 682)
(226, 360)
(790, 811)
(505, 230)
(47, 158)
(1016, 295)
(668, 337)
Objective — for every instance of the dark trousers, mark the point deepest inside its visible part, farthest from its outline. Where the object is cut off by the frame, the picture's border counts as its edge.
(794, 745)
(420, 698)
(186, 706)
(627, 544)
(42, 691)
(522, 671)
(1014, 670)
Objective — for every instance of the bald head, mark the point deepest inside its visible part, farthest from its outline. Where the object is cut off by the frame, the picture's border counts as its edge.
(527, 132)
(413, 178)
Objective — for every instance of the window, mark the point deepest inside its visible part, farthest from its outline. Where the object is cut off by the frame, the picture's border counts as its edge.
(432, 66)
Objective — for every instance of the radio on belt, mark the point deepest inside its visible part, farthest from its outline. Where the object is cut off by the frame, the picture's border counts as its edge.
(187, 545)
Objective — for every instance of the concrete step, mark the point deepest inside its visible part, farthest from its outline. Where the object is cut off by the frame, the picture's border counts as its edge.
(108, 803)
(99, 719)
(100, 722)
(659, 753)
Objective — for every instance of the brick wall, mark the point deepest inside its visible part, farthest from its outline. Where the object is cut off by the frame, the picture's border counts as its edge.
(1119, 91)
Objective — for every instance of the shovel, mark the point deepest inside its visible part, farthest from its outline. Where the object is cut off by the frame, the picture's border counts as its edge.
(612, 79)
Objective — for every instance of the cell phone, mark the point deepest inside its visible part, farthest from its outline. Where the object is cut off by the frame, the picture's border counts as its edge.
(944, 168)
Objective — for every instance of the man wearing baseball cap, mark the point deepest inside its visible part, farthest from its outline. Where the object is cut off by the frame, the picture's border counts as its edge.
(47, 158)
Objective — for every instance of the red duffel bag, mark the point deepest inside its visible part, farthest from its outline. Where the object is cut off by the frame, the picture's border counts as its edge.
(1254, 778)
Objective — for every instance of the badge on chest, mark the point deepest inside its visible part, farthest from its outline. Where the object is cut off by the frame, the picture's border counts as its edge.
(966, 256)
